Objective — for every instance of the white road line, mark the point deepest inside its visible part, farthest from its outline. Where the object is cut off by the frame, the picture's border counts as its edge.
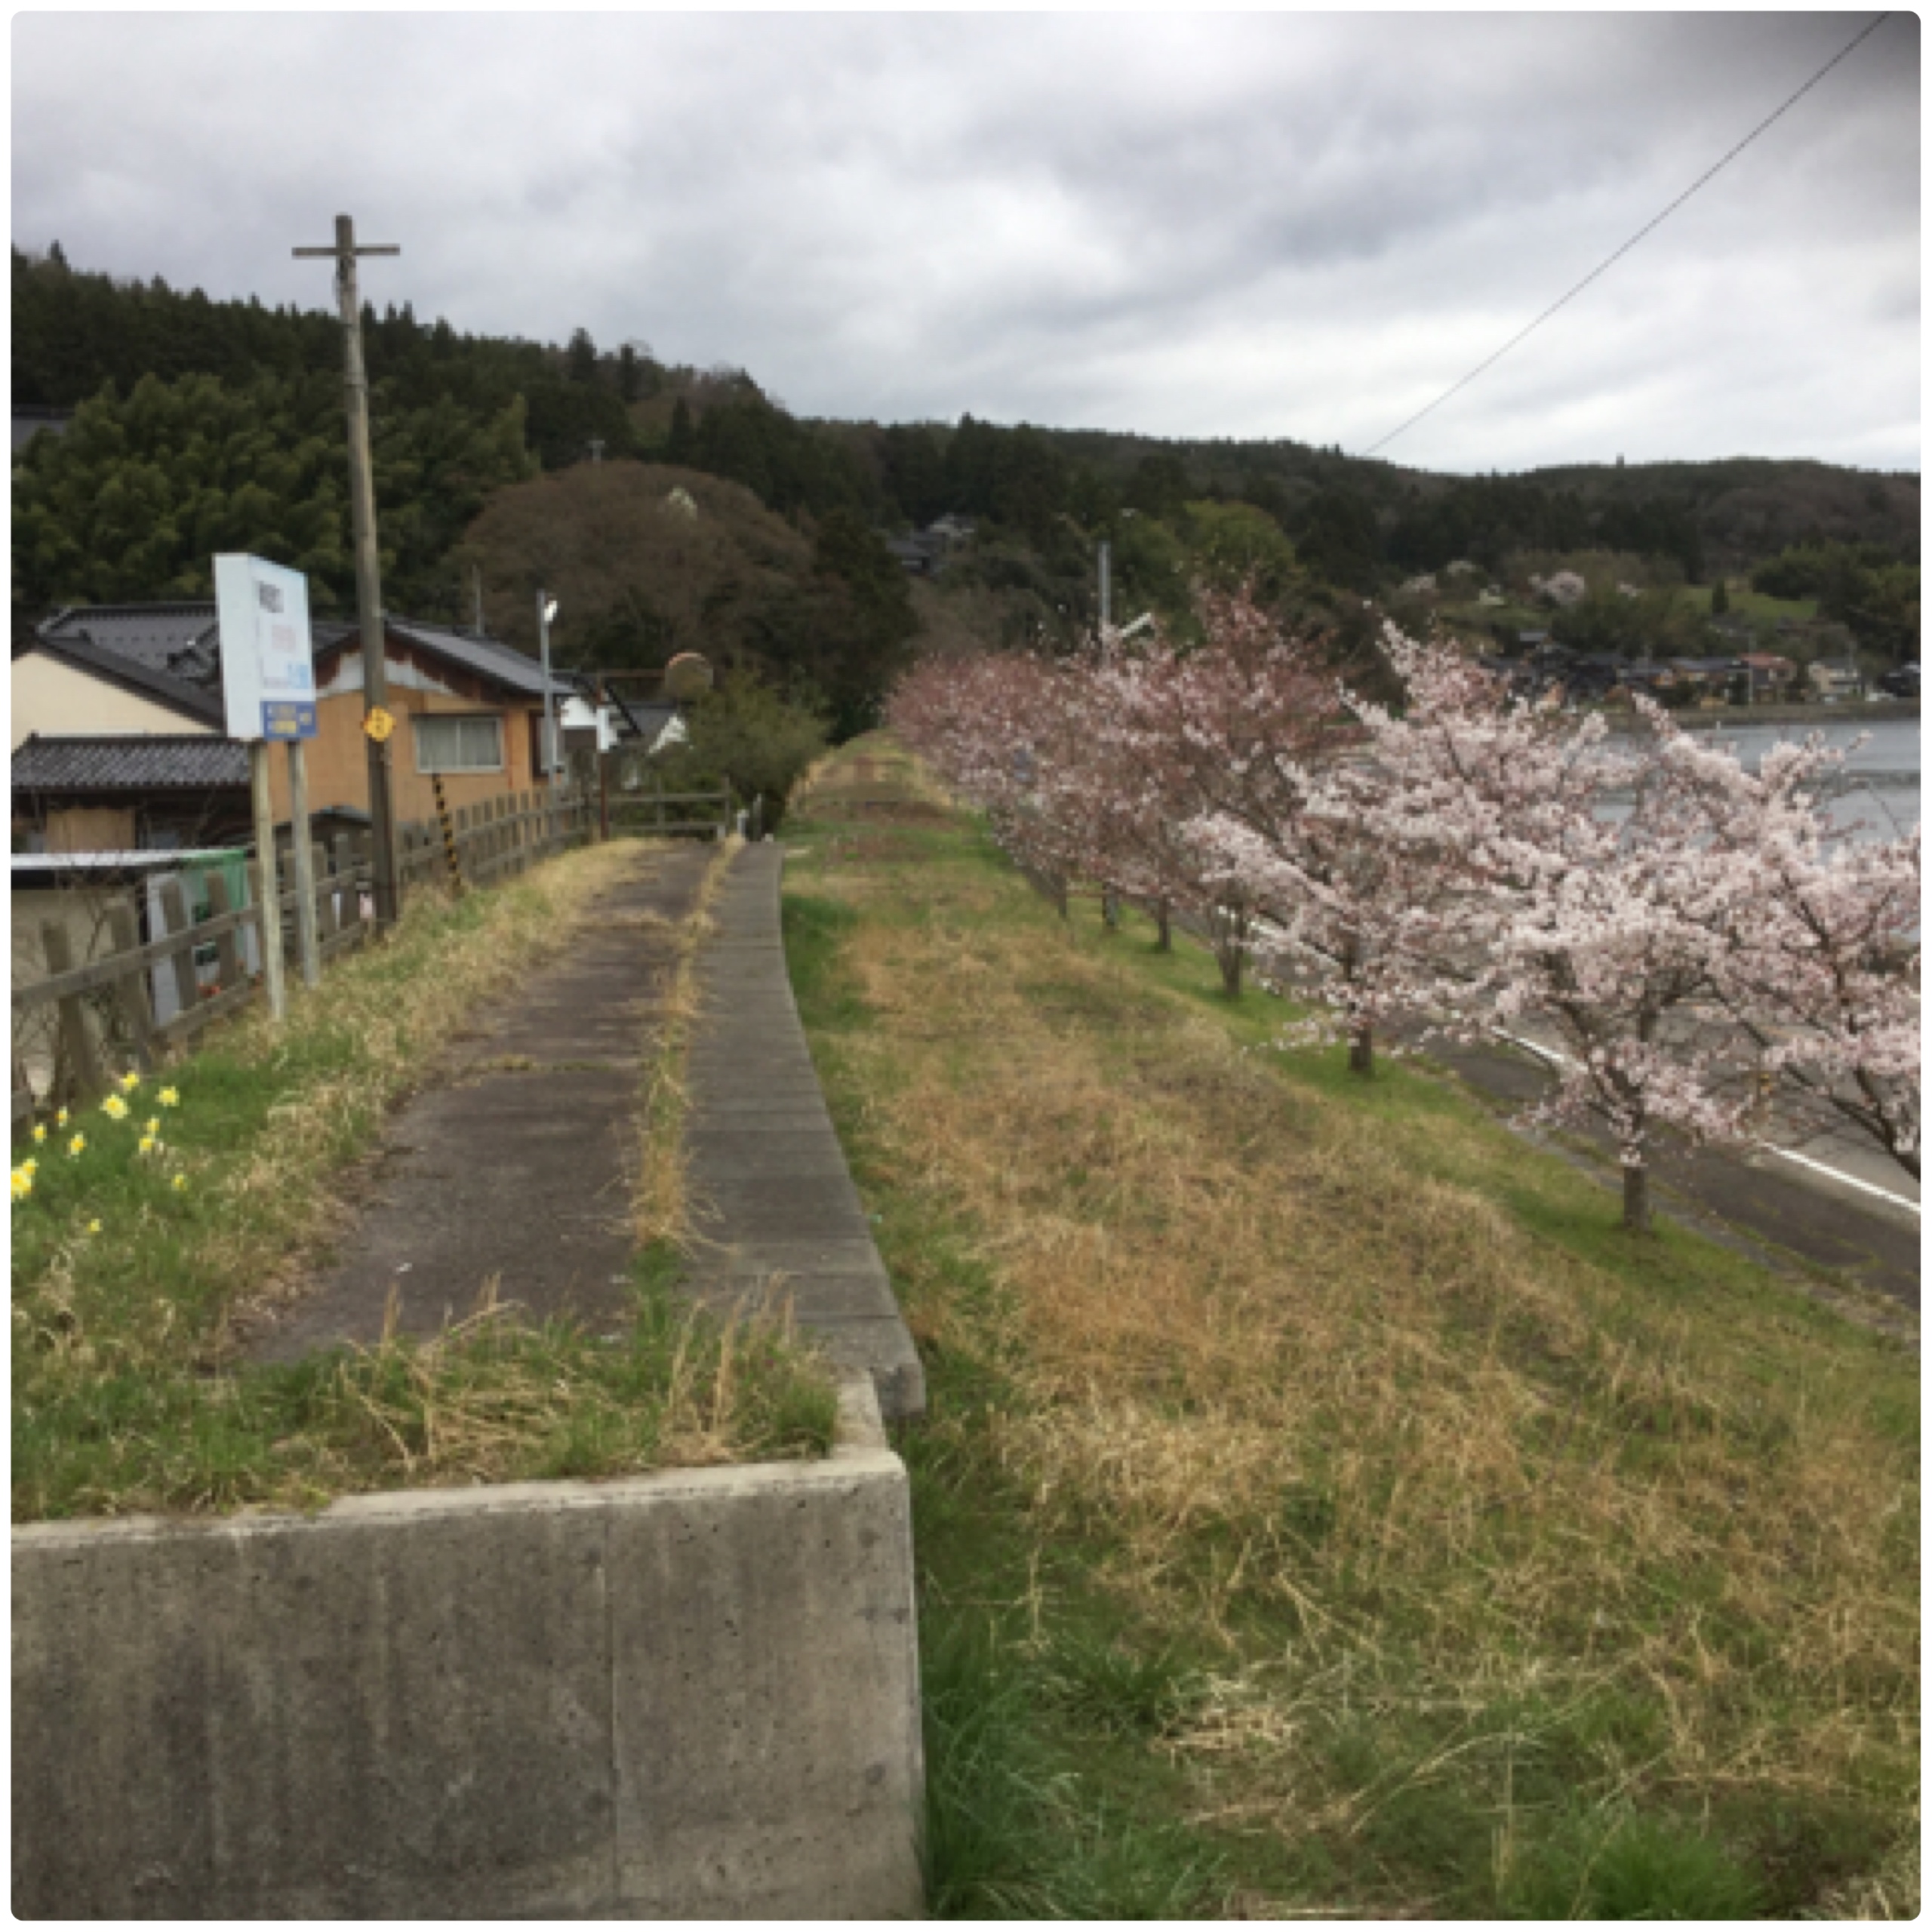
(1782, 1153)
(1849, 1181)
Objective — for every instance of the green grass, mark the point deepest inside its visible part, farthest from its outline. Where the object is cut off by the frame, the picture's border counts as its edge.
(128, 1270)
(1357, 1683)
(1746, 602)
(495, 1402)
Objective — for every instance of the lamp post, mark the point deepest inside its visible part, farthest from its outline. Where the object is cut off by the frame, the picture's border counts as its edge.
(547, 609)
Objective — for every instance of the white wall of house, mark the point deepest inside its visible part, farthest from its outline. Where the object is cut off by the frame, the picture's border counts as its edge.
(58, 701)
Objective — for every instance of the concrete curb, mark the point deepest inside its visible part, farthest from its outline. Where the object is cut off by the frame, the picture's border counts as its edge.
(694, 1694)
(778, 1217)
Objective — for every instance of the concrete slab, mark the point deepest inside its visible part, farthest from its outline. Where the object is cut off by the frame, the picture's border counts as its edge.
(775, 1204)
(827, 1297)
(814, 1207)
(692, 1695)
(518, 1170)
(763, 1157)
(742, 1110)
(797, 1259)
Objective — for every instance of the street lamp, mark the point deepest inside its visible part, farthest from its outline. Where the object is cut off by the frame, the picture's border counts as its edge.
(547, 609)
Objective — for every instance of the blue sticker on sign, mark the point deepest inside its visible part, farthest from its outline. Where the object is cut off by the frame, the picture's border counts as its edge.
(283, 720)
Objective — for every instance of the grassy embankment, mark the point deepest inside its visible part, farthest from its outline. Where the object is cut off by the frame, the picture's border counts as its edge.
(1325, 1510)
(1744, 602)
(125, 1395)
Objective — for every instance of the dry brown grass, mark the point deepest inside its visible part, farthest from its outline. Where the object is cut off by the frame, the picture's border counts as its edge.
(1272, 1354)
(661, 1202)
(125, 1326)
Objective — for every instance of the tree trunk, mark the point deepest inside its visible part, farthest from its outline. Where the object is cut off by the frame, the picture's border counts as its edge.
(1637, 1200)
(1361, 1052)
(1230, 958)
(1109, 908)
(1164, 925)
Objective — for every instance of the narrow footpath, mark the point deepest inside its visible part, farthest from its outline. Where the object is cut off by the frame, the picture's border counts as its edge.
(510, 1179)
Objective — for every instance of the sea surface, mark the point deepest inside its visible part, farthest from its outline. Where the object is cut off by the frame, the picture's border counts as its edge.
(1882, 775)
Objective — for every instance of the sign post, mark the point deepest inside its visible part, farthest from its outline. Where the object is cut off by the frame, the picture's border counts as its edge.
(268, 683)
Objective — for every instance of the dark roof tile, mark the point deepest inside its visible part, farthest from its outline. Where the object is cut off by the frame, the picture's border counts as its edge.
(130, 764)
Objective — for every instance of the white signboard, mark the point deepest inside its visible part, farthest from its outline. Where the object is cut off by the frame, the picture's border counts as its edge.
(268, 670)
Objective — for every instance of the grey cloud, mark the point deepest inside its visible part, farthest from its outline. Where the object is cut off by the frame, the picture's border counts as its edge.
(1291, 224)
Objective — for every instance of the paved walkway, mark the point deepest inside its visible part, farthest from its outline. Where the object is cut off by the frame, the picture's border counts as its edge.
(518, 1168)
(775, 1204)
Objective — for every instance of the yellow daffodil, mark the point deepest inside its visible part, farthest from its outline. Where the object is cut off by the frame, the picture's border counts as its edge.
(94, 1227)
(23, 1183)
(180, 1183)
(60, 1118)
(114, 1107)
(129, 1082)
(169, 1098)
(77, 1144)
(40, 1135)
(147, 1144)
(29, 1166)
(153, 1126)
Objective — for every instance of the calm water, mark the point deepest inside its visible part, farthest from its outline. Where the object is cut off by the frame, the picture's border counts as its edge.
(1883, 772)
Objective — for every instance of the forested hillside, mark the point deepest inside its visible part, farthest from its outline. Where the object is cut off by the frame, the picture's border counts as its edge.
(203, 426)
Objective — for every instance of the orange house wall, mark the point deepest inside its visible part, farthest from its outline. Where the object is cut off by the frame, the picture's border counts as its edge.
(338, 757)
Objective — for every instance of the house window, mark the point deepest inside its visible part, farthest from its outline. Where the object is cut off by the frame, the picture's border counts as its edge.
(459, 744)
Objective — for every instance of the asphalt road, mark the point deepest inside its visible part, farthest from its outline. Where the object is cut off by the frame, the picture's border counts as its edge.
(1822, 1218)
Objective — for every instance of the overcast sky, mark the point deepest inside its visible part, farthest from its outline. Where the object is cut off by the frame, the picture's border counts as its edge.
(1294, 224)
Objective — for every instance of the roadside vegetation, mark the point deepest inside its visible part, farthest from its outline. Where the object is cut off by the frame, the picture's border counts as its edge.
(128, 1266)
(1326, 1510)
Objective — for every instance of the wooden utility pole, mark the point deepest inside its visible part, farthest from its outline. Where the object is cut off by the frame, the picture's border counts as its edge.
(368, 567)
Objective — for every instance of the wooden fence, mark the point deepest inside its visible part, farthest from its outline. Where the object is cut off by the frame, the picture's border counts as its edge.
(98, 1017)
(647, 814)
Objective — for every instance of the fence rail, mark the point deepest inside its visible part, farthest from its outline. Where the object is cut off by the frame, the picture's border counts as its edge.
(102, 1011)
(643, 814)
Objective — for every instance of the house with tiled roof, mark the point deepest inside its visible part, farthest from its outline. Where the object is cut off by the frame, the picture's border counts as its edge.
(106, 700)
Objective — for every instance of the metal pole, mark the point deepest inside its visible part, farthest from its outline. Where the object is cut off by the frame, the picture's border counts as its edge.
(476, 583)
(1107, 587)
(307, 947)
(549, 718)
(270, 907)
(368, 567)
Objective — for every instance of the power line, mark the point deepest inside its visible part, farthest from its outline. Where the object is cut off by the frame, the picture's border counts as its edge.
(1657, 221)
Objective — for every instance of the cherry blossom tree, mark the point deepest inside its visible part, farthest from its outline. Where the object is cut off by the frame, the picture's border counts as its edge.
(1579, 893)
(1822, 982)
(1684, 933)
(1221, 739)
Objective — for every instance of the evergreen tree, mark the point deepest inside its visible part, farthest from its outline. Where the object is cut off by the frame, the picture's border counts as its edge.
(678, 450)
(581, 357)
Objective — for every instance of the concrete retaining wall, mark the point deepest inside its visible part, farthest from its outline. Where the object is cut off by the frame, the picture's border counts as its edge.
(690, 1695)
